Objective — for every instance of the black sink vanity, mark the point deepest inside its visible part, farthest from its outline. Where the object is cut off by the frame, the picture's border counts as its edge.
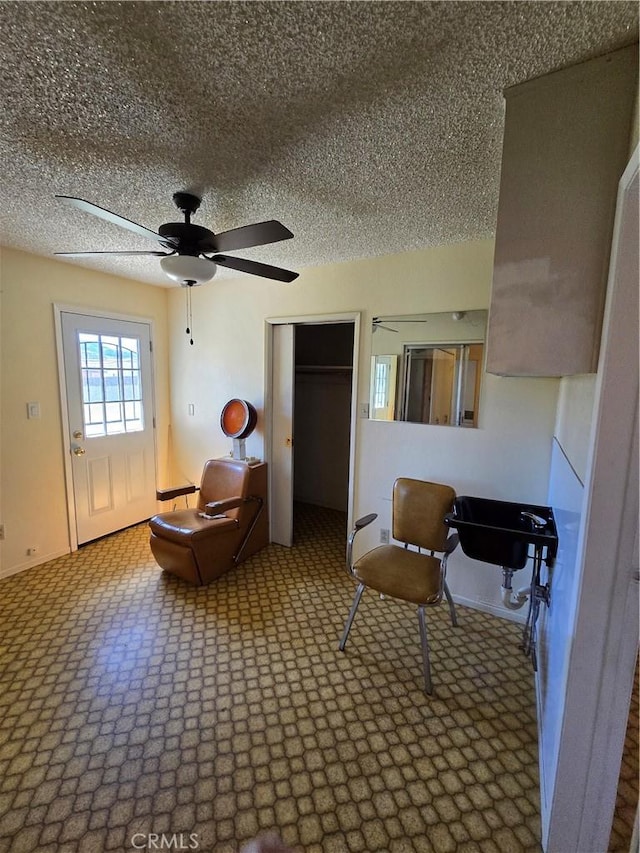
(508, 534)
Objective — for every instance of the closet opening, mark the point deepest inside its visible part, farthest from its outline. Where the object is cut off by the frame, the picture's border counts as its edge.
(311, 419)
(322, 416)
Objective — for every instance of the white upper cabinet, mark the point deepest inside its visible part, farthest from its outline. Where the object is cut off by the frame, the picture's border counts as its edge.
(566, 144)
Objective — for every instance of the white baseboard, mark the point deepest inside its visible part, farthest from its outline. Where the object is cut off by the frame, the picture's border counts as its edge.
(495, 609)
(34, 561)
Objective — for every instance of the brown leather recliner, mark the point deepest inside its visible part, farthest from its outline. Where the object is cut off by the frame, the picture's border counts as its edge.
(229, 524)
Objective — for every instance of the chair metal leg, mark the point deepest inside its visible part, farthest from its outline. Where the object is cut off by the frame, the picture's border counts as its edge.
(352, 613)
(425, 650)
(452, 607)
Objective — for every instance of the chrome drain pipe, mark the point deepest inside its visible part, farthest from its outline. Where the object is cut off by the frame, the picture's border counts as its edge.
(513, 600)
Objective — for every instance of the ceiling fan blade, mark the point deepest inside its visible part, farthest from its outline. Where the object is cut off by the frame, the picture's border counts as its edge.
(254, 268)
(247, 236)
(98, 254)
(376, 321)
(113, 218)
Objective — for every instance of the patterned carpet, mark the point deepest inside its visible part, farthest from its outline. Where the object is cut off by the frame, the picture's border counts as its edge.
(628, 783)
(132, 704)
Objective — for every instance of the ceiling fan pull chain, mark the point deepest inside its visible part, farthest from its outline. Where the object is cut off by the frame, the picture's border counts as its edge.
(189, 313)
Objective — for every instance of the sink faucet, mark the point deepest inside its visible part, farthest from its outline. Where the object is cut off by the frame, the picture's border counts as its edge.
(536, 520)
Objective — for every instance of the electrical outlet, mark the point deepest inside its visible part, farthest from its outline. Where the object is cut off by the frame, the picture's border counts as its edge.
(384, 535)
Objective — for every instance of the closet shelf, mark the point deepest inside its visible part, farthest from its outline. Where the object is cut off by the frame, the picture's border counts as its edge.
(324, 368)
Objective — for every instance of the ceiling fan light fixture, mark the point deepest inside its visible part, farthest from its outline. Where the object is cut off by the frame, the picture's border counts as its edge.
(188, 268)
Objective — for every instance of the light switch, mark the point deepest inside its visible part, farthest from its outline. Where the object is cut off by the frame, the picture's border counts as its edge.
(192, 409)
(33, 410)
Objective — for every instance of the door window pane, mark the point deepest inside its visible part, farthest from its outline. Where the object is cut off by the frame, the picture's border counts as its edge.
(110, 368)
(112, 390)
(130, 353)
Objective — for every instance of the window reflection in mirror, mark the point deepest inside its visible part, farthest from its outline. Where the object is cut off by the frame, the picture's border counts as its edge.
(427, 368)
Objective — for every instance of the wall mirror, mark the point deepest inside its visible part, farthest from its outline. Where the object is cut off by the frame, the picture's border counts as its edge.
(427, 368)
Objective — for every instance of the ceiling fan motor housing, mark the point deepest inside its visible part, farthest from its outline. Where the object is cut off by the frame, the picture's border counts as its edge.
(189, 242)
(186, 239)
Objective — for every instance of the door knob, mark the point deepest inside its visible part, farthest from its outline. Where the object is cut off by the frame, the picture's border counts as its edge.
(77, 433)
(79, 451)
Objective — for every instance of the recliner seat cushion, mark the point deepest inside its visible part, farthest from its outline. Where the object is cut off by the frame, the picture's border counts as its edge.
(187, 525)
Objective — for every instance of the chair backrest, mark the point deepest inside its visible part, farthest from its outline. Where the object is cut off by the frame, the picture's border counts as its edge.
(419, 508)
(223, 478)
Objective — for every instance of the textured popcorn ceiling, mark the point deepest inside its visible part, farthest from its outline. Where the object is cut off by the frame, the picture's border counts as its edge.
(366, 128)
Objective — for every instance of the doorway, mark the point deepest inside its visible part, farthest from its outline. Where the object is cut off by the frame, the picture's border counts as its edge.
(311, 400)
(108, 422)
(604, 634)
(322, 414)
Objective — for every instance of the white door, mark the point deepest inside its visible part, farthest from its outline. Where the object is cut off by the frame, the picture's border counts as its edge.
(282, 383)
(107, 366)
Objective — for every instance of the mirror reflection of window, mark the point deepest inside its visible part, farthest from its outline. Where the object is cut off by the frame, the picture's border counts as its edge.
(434, 375)
(383, 385)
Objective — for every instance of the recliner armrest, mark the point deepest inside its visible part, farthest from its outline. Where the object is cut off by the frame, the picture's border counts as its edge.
(220, 507)
(175, 492)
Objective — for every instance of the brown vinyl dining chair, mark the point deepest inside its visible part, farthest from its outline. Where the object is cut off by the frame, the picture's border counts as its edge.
(398, 571)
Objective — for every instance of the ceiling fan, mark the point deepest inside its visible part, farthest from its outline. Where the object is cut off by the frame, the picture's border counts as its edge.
(187, 256)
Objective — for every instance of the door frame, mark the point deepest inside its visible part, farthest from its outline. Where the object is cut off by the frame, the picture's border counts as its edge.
(58, 310)
(313, 320)
(605, 633)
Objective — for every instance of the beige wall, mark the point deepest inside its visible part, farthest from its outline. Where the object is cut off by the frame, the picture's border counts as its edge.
(32, 481)
(507, 457)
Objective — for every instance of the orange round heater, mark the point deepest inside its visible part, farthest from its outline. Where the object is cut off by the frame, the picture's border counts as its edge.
(238, 419)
